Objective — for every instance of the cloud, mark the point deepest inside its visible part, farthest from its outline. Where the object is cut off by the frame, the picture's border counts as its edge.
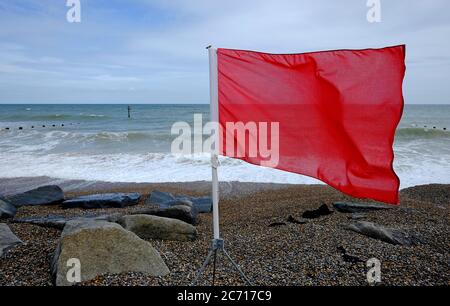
(158, 46)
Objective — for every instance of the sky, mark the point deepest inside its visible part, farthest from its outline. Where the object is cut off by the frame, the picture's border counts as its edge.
(153, 51)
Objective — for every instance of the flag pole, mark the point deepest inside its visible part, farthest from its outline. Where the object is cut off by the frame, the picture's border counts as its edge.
(217, 244)
(214, 113)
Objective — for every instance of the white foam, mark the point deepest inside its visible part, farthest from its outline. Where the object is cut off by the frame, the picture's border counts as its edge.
(159, 167)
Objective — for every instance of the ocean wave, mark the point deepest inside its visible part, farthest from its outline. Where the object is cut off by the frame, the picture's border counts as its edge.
(420, 133)
(166, 167)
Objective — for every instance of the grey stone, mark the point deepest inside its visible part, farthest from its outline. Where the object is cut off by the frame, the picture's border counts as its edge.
(58, 222)
(154, 227)
(46, 195)
(349, 207)
(7, 239)
(107, 200)
(103, 248)
(165, 200)
(180, 212)
(379, 232)
(358, 216)
(7, 210)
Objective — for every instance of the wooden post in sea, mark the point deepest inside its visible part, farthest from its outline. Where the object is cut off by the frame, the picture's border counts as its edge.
(129, 111)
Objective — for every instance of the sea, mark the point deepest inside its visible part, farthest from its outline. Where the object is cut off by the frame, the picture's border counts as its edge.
(100, 142)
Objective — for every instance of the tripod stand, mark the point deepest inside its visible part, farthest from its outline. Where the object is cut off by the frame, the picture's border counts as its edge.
(218, 246)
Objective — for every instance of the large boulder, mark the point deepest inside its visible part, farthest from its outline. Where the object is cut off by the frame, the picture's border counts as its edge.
(165, 200)
(46, 195)
(7, 239)
(154, 227)
(103, 248)
(107, 200)
(379, 232)
(7, 210)
(349, 207)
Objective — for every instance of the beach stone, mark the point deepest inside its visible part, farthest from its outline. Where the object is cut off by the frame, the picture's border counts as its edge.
(103, 248)
(46, 195)
(379, 232)
(7, 239)
(184, 213)
(349, 257)
(165, 200)
(323, 210)
(107, 200)
(358, 216)
(276, 224)
(59, 222)
(294, 220)
(154, 227)
(7, 210)
(349, 207)
(159, 197)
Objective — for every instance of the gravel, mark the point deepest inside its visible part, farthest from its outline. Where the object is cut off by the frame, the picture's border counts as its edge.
(291, 254)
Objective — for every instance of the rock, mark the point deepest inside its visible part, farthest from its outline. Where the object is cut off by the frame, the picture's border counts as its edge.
(323, 210)
(103, 248)
(177, 202)
(165, 200)
(358, 216)
(180, 212)
(59, 222)
(389, 235)
(46, 195)
(7, 210)
(154, 227)
(7, 239)
(159, 197)
(107, 200)
(275, 224)
(348, 207)
(291, 219)
(348, 257)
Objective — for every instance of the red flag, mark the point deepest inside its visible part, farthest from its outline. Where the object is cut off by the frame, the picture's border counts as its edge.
(337, 112)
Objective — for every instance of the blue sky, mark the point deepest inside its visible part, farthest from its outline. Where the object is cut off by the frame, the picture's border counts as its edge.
(153, 51)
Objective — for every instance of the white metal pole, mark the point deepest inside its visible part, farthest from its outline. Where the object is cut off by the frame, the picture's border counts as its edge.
(214, 105)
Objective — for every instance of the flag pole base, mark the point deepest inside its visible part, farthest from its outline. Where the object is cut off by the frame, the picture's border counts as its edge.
(217, 246)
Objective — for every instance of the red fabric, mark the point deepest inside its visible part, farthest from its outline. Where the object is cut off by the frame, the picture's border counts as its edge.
(337, 110)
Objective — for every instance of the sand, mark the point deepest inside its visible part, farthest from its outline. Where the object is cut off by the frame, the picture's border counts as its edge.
(291, 254)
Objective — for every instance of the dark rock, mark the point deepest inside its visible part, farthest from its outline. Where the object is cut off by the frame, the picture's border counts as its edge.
(348, 207)
(159, 197)
(46, 195)
(358, 216)
(107, 200)
(58, 222)
(291, 219)
(348, 257)
(180, 212)
(177, 202)
(389, 235)
(7, 239)
(277, 224)
(323, 210)
(165, 200)
(7, 210)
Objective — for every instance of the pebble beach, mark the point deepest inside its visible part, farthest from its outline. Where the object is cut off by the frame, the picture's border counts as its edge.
(256, 223)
